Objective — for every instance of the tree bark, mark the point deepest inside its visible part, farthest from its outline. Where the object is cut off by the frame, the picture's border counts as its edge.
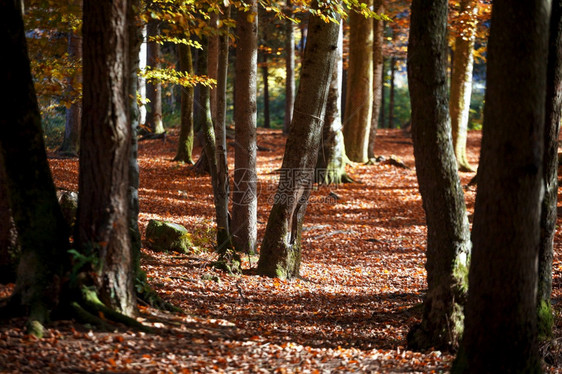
(9, 252)
(213, 62)
(102, 218)
(461, 83)
(289, 69)
(153, 87)
(265, 78)
(185, 143)
(42, 231)
(244, 195)
(330, 166)
(280, 254)
(71, 143)
(550, 171)
(359, 99)
(448, 236)
(391, 93)
(501, 320)
(378, 59)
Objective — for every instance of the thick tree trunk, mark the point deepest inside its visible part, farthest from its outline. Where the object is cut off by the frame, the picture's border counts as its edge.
(550, 170)
(448, 236)
(244, 196)
(330, 166)
(359, 98)
(501, 321)
(42, 231)
(289, 69)
(378, 59)
(280, 254)
(461, 82)
(153, 87)
(9, 252)
(71, 142)
(185, 143)
(102, 218)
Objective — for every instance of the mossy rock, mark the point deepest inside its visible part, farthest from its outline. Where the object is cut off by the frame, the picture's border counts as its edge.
(68, 201)
(167, 236)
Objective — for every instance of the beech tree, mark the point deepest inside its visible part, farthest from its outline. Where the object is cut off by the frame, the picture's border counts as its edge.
(359, 93)
(280, 254)
(289, 68)
(378, 76)
(153, 86)
(448, 236)
(186, 138)
(501, 311)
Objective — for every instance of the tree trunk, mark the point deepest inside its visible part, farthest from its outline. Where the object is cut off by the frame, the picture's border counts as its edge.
(448, 236)
(102, 218)
(141, 80)
(265, 78)
(153, 86)
(382, 119)
(280, 254)
(378, 59)
(501, 319)
(461, 82)
(330, 166)
(185, 143)
(213, 61)
(9, 251)
(550, 171)
(71, 142)
(42, 230)
(391, 93)
(359, 99)
(289, 69)
(244, 195)
(223, 188)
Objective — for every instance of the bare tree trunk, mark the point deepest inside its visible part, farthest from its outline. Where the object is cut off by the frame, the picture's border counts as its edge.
(550, 171)
(244, 198)
(461, 82)
(448, 235)
(359, 98)
(265, 78)
(71, 143)
(378, 63)
(213, 61)
(501, 317)
(9, 251)
(289, 69)
(103, 209)
(153, 87)
(185, 143)
(280, 254)
(391, 94)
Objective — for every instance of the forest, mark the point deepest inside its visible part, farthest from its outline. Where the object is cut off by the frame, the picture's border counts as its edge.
(284, 186)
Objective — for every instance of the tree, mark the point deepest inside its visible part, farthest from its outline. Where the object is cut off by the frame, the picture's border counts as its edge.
(289, 69)
(9, 254)
(378, 73)
(185, 142)
(102, 217)
(244, 194)
(501, 324)
(461, 80)
(280, 254)
(550, 170)
(359, 94)
(42, 231)
(330, 166)
(448, 236)
(153, 86)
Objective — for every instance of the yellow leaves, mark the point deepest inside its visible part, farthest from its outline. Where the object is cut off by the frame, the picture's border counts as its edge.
(251, 17)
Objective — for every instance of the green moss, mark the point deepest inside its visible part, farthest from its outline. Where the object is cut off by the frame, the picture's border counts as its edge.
(545, 320)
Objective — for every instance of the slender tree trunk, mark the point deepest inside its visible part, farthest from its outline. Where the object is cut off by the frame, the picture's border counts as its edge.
(280, 254)
(391, 94)
(550, 170)
(382, 119)
(213, 61)
(42, 230)
(448, 236)
(265, 78)
(141, 79)
(289, 69)
(185, 143)
(103, 209)
(244, 196)
(359, 99)
(223, 188)
(71, 142)
(461, 82)
(378, 59)
(501, 317)
(330, 166)
(153, 87)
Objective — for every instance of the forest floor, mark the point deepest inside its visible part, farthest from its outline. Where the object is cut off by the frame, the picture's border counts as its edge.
(362, 280)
